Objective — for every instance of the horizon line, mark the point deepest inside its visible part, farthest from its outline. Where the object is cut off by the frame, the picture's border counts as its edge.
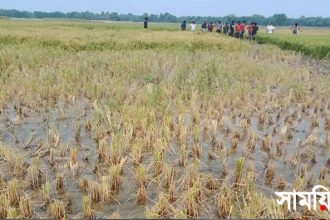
(178, 16)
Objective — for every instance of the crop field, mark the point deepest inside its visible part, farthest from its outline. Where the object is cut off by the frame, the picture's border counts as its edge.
(108, 120)
(310, 42)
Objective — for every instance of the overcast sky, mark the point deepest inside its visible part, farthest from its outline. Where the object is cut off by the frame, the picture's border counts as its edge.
(293, 8)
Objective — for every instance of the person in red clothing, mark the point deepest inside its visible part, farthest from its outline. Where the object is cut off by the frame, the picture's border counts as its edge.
(250, 29)
(243, 29)
(239, 30)
(210, 27)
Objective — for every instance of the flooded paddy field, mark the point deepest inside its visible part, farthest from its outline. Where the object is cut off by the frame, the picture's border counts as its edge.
(150, 130)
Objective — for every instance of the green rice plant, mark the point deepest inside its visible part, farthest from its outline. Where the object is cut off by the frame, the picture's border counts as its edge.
(239, 166)
(115, 150)
(308, 46)
(141, 175)
(12, 213)
(87, 208)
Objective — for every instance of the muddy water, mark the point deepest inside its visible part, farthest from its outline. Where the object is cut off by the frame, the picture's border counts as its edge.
(29, 135)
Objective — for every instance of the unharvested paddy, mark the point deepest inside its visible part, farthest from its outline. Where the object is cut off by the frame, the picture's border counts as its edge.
(109, 120)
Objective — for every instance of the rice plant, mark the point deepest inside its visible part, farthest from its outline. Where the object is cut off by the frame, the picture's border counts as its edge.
(45, 192)
(87, 208)
(24, 207)
(12, 213)
(13, 192)
(4, 205)
(57, 210)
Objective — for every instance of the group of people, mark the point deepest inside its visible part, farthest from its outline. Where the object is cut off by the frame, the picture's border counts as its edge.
(295, 28)
(233, 29)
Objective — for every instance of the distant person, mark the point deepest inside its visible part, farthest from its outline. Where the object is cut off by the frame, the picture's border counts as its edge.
(232, 29)
(193, 26)
(219, 27)
(243, 29)
(270, 28)
(204, 27)
(295, 28)
(210, 27)
(250, 29)
(184, 25)
(145, 23)
(255, 29)
(239, 28)
(226, 29)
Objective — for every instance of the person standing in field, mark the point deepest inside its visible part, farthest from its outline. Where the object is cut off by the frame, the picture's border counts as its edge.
(239, 30)
(184, 26)
(145, 23)
(250, 29)
(193, 26)
(210, 27)
(226, 29)
(204, 27)
(219, 27)
(295, 28)
(270, 28)
(231, 29)
(243, 29)
(255, 29)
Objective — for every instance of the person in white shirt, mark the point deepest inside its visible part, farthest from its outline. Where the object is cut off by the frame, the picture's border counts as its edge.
(193, 26)
(270, 28)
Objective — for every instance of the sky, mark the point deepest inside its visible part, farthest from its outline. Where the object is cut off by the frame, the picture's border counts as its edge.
(292, 8)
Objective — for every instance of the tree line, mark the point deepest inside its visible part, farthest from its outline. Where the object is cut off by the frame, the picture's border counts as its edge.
(276, 19)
